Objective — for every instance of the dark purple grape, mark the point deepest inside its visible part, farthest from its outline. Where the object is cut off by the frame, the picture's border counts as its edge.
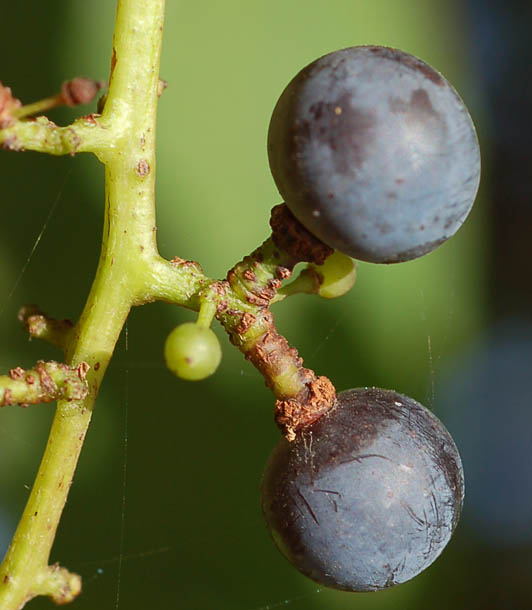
(368, 495)
(374, 153)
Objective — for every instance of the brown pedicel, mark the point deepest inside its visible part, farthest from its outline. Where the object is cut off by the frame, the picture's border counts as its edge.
(256, 334)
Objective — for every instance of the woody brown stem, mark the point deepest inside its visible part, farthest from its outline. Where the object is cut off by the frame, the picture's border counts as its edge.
(302, 397)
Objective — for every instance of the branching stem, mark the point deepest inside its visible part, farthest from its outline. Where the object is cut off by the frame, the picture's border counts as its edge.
(131, 272)
(124, 139)
(47, 382)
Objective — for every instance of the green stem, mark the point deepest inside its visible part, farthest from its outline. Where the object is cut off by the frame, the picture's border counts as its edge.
(38, 107)
(131, 272)
(41, 135)
(242, 306)
(206, 314)
(122, 280)
(47, 382)
(40, 326)
(79, 90)
(304, 283)
(301, 396)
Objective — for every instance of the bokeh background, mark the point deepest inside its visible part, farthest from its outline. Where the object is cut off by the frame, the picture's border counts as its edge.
(164, 510)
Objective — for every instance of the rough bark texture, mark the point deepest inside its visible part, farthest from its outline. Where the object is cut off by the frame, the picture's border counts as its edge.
(302, 397)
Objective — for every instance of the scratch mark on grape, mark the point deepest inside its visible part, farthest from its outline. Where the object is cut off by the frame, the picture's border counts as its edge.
(307, 505)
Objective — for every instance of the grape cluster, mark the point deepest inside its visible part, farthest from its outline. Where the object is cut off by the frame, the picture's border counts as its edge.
(376, 158)
(376, 155)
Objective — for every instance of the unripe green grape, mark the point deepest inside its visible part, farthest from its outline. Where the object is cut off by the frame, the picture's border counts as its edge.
(338, 275)
(192, 352)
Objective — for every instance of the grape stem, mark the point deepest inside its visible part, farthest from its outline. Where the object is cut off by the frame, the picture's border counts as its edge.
(131, 272)
(206, 313)
(302, 397)
(123, 138)
(307, 282)
(77, 91)
(47, 382)
(242, 303)
(40, 326)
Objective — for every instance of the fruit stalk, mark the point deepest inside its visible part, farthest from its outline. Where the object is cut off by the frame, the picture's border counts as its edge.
(301, 396)
(124, 139)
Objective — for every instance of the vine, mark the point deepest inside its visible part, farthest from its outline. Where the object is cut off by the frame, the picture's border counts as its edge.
(377, 156)
(131, 273)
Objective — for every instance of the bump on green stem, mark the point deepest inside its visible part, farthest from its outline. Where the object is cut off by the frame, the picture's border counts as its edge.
(59, 584)
(47, 382)
(40, 326)
(8, 106)
(42, 135)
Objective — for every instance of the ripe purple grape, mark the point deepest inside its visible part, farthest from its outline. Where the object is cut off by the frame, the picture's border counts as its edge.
(368, 495)
(374, 152)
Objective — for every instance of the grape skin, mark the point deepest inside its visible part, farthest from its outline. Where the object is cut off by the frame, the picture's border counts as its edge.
(368, 495)
(375, 153)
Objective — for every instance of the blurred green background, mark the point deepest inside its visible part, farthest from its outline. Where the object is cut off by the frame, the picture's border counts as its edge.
(164, 510)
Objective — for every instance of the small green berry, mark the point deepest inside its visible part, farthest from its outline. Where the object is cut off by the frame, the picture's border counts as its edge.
(192, 352)
(337, 275)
